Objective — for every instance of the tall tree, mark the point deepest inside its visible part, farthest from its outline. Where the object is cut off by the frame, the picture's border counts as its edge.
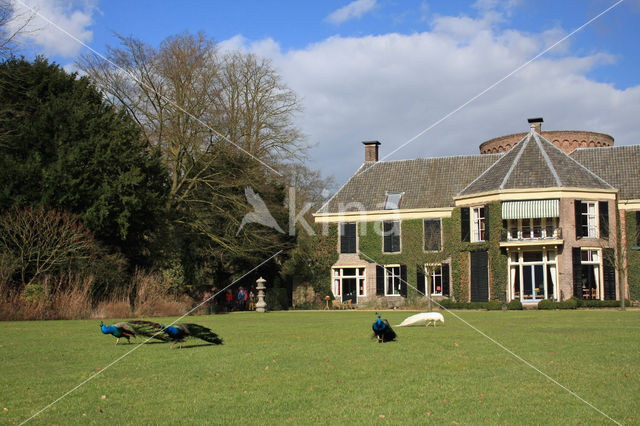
(62, 147)
(220, 121)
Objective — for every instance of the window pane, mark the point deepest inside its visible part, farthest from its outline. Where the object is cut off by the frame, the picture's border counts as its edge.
(432, 235)
(347, 238)
(532, 256)
(348, 272)
(393, 201)
(391, 237)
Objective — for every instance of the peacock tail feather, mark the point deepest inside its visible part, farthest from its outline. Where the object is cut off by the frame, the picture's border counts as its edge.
(203, 333)
(149, 329)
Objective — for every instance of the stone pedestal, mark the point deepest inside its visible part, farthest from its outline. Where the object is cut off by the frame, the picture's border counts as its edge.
(261, 306)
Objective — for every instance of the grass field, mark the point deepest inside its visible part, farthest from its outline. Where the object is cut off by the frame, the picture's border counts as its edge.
(323, 367)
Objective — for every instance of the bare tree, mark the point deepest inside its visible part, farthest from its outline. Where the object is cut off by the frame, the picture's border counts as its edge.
(9, 31)
(217, 120)
(190, 101)
(41, 240)
(256, 109)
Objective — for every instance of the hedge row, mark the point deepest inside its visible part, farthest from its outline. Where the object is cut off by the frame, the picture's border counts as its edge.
(579, 303)
(496, 305)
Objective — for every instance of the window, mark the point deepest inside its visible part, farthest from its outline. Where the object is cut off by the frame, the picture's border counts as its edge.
(478, 224)
(347, 282)
(391, 237)
(437, 276)
(538, 228)
(436, 280)
(432, 235)
(533, 275)
(392, 201)
(392, 281)
(589, 219)
(588, 276)
(347, 238)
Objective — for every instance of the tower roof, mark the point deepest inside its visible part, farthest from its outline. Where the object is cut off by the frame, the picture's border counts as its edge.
(534, 162)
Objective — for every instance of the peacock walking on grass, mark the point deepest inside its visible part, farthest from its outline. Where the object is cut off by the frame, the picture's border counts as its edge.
(179, 332)
(382, 330)
(133, 328)
(118, 330)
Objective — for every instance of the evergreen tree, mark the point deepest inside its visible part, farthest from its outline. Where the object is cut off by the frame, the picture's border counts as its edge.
(63, 147)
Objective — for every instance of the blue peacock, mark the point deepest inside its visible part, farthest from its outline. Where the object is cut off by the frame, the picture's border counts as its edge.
(382, 330)
(179, 332)
(132, 329)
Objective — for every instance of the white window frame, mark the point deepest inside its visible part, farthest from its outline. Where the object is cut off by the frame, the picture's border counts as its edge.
(390, 274)
(592, 219)
(549, 261)
(516, 228)
(338, 275)
(389, 196)
(478, 224)
(594, 257)
(434, 270)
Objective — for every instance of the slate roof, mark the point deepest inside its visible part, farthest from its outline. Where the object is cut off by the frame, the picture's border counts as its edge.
(618, 165)
(426, 182)
(534, 162)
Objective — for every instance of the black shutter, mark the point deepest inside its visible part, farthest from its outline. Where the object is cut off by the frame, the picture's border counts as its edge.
(486, 222)
(465, 225)
(379, 280)
(603, 216)
(479, 276)
(638, 228)
(420, 284)
(609, 272)
(445, 279)
(403, 280)
(578, 213)
(577, 273)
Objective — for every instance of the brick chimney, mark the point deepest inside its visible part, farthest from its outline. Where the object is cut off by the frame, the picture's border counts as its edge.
(536, 124)
(371, 150)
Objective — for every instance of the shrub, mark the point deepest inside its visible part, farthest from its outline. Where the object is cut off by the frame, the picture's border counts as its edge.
(547, 304)
(568, 304)
(494, 305)
(514, 305)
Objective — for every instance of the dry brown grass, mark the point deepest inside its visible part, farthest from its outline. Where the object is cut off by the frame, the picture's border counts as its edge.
(64, 297)
(154, 297)
(68, 296)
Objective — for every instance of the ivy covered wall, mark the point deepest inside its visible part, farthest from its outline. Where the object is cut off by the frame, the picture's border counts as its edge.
(413, 254)
(633, 256)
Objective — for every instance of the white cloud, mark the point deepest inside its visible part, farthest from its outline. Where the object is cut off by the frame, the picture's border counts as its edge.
(391, 87)
(355, 9)
(52, 17)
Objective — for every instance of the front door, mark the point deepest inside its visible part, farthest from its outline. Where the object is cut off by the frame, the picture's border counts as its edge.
(349, 289)
(479, 276)
(533, 282)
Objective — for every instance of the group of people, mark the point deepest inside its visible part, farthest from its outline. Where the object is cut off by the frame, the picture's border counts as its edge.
(240, 300)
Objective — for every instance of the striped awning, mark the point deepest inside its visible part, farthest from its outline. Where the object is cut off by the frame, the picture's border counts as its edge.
(530, 209)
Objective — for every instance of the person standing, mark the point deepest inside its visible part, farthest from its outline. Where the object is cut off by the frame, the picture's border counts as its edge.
(242, 299)
(229, 297)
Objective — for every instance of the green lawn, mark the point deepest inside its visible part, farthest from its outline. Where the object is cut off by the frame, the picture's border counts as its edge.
(323, 367)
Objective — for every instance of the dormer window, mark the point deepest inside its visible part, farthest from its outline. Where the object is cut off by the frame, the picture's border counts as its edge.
(392, 202)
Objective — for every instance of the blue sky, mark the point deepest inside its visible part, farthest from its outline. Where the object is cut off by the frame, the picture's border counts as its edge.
(389, 69)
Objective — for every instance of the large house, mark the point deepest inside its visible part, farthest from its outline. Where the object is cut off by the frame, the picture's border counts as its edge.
(538, 215)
